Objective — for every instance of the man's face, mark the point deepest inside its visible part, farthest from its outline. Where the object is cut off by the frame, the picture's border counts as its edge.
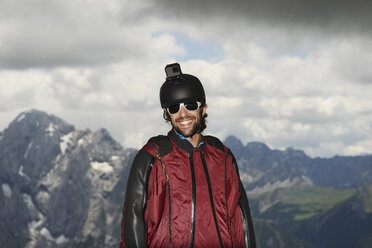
(187, 122)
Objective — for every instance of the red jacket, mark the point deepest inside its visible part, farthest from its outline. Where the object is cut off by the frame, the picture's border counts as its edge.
(178, 196)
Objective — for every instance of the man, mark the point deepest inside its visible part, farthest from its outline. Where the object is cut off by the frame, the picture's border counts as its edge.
(184, 189)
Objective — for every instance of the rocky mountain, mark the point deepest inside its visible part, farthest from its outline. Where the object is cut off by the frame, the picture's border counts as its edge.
(298, 201)
(264, 170)
(60, 186)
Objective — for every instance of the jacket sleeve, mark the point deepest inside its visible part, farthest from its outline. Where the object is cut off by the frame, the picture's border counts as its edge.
(133, 232)
(243, 211)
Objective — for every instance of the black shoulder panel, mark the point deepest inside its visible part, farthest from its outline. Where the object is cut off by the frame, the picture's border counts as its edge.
(165, 146)
(244, 206)
(229, 152)
(215, 142)
(134, 228)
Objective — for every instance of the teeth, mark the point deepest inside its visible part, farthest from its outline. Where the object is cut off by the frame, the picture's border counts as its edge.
(185, 122)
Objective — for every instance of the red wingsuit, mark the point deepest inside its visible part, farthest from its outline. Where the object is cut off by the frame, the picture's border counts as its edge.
(181, 196)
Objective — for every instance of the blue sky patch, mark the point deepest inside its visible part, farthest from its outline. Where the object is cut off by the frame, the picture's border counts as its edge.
(197, 49)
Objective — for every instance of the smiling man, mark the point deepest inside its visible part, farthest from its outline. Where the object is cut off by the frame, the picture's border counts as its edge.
(184, 189)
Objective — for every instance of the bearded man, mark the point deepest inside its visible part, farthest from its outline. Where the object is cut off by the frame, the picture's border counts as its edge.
(184, 189)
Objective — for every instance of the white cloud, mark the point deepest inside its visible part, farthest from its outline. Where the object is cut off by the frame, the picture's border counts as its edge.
(51, 33)
(102, 66)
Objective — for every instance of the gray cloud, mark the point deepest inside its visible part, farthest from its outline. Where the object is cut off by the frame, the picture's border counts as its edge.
(344, 15)
(48, 34)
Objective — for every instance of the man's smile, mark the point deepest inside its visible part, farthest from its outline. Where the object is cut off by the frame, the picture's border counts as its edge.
(185, 123)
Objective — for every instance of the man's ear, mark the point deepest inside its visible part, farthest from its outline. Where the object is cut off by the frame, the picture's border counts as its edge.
(204, 109)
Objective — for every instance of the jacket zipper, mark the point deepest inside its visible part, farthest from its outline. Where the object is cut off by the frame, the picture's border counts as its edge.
(193, 204)
(169, 203)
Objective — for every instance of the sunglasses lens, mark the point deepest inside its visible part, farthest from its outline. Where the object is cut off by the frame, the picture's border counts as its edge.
(174, 109)
(191, 106)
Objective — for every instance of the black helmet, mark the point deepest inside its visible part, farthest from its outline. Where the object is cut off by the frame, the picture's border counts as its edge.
(180, 87)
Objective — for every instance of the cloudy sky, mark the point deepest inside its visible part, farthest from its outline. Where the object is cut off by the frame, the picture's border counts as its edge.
(286, 73)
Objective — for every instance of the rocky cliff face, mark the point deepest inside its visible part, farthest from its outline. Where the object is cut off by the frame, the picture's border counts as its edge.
(61, 187)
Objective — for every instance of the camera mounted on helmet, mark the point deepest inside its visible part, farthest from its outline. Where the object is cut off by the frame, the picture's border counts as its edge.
(173, 70)
(180, 87)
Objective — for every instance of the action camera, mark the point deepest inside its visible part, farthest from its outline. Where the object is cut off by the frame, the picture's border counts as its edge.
(173, 70)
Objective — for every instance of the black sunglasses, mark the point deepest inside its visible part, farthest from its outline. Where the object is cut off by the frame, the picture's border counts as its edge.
(189, 106)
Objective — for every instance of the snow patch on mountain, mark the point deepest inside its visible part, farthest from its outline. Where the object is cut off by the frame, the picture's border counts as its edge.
(81, 142)
(50, 130)
(54, 177)
(109, 239)
(20, 117)
(33, 228)
(43, 198)
(36, 227)
(114, 157)
(102, 166)
(45, 232)
(7, 191)
(66, 140)
(60, 240)
(28, 148)
(28, 201)
(22, 174)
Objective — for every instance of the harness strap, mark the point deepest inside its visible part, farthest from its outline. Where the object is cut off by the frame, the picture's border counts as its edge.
(159, 157)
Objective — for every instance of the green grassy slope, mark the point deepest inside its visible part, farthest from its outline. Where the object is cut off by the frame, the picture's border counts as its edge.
(325, 216)
(269, 235)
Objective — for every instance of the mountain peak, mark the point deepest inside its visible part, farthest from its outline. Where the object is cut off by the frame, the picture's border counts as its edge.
(231, 140)
(295, 153)
(234, 144)
(36, 115)
(32, 120)
(31, 114)
(258, 146)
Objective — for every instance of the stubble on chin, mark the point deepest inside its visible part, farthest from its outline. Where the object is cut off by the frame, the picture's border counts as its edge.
(194, 129)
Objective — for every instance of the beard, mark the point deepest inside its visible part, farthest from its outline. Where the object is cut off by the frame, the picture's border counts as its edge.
(192, 131)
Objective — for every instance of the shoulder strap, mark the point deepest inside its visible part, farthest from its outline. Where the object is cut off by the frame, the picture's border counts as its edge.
(164, 147)
(215, 142)
(164, 144)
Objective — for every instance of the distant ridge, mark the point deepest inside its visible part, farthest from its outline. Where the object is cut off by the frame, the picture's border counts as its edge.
(265, 170)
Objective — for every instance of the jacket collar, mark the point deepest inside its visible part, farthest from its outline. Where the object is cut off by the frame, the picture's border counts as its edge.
(183, 143)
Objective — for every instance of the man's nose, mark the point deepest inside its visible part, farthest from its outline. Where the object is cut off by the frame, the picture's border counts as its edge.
(183, 111)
